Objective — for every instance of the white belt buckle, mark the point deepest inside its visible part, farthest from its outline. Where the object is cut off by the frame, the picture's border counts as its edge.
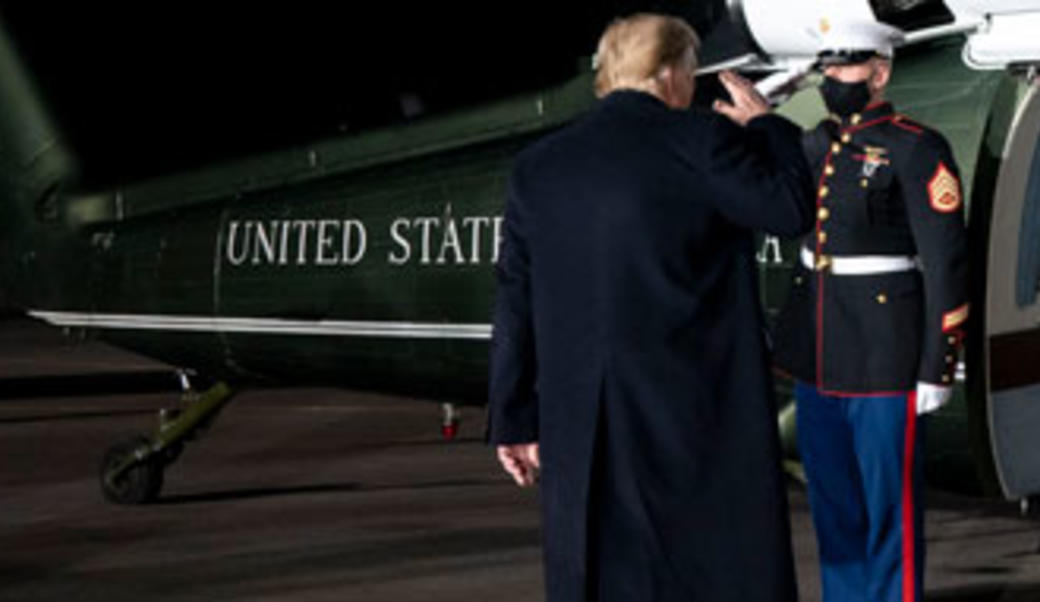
(858, 265)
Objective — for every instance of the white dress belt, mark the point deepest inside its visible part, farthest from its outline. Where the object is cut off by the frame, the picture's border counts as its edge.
(859, 265)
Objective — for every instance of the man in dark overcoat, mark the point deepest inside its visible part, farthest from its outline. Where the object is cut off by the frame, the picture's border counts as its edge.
(628, 355)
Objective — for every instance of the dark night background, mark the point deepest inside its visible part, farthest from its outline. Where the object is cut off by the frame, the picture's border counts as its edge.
(148, 88)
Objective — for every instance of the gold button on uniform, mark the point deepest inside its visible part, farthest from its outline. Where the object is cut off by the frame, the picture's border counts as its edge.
(864, 183)
(856, 118)
(952, 340)
(846, 137)
(823, 214)
(946, 378)
(797, 279)
(949, 359)
(835, 148)
(829, 170)
(882, 298)
(824, 191)
(822, 237)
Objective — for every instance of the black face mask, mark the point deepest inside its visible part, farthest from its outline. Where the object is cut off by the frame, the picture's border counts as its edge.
(844, 99)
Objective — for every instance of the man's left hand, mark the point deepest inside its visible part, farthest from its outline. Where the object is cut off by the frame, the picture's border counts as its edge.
(521, 461)
(932, 397)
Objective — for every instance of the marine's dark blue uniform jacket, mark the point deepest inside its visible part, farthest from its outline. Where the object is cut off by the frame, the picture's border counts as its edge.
(887, 186)
(628, 340)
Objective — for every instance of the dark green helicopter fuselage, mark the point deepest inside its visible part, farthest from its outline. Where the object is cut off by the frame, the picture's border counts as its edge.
(367, 261)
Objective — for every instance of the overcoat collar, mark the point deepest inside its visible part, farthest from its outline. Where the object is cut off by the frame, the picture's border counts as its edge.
(628, 96)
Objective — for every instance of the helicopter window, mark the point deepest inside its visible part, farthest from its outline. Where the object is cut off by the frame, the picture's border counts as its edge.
(911, 15)
(1028, 280)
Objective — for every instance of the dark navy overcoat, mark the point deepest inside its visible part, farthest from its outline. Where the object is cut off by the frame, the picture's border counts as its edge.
(629, 342)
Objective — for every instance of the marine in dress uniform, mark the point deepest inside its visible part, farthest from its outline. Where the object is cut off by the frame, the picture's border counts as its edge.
(629, 344)
(873, 322)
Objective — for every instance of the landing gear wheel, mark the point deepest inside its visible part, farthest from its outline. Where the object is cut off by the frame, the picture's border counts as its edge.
(139, 484)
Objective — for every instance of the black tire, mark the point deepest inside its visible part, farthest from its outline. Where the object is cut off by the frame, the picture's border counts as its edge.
(138, 485)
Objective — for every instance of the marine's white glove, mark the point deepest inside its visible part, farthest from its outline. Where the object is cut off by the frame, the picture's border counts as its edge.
(932, 397)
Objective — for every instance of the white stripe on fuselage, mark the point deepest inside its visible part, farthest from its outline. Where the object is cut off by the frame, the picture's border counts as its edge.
(407, 330)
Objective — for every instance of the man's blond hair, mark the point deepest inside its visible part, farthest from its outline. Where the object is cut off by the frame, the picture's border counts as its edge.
(633, 50)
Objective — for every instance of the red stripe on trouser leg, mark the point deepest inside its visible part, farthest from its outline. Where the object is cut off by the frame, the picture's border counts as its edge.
(908, 499)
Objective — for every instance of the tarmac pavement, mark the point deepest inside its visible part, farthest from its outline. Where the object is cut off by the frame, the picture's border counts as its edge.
(321, 494)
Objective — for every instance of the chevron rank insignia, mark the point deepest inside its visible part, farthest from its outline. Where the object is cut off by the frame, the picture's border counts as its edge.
(944, 191)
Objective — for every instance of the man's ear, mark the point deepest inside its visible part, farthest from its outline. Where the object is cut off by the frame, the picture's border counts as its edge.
(663, 82)
(882, 73)
(664, 75)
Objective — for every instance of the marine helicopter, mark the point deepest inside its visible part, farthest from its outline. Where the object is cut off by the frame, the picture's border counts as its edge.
(366, 260)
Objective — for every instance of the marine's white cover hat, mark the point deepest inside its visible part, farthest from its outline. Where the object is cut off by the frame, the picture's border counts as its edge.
(851, 42)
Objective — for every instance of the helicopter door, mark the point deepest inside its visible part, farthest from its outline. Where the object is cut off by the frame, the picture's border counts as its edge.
(1012, 320)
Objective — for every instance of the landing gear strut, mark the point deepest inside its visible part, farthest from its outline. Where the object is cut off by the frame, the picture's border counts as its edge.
(132, 470)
